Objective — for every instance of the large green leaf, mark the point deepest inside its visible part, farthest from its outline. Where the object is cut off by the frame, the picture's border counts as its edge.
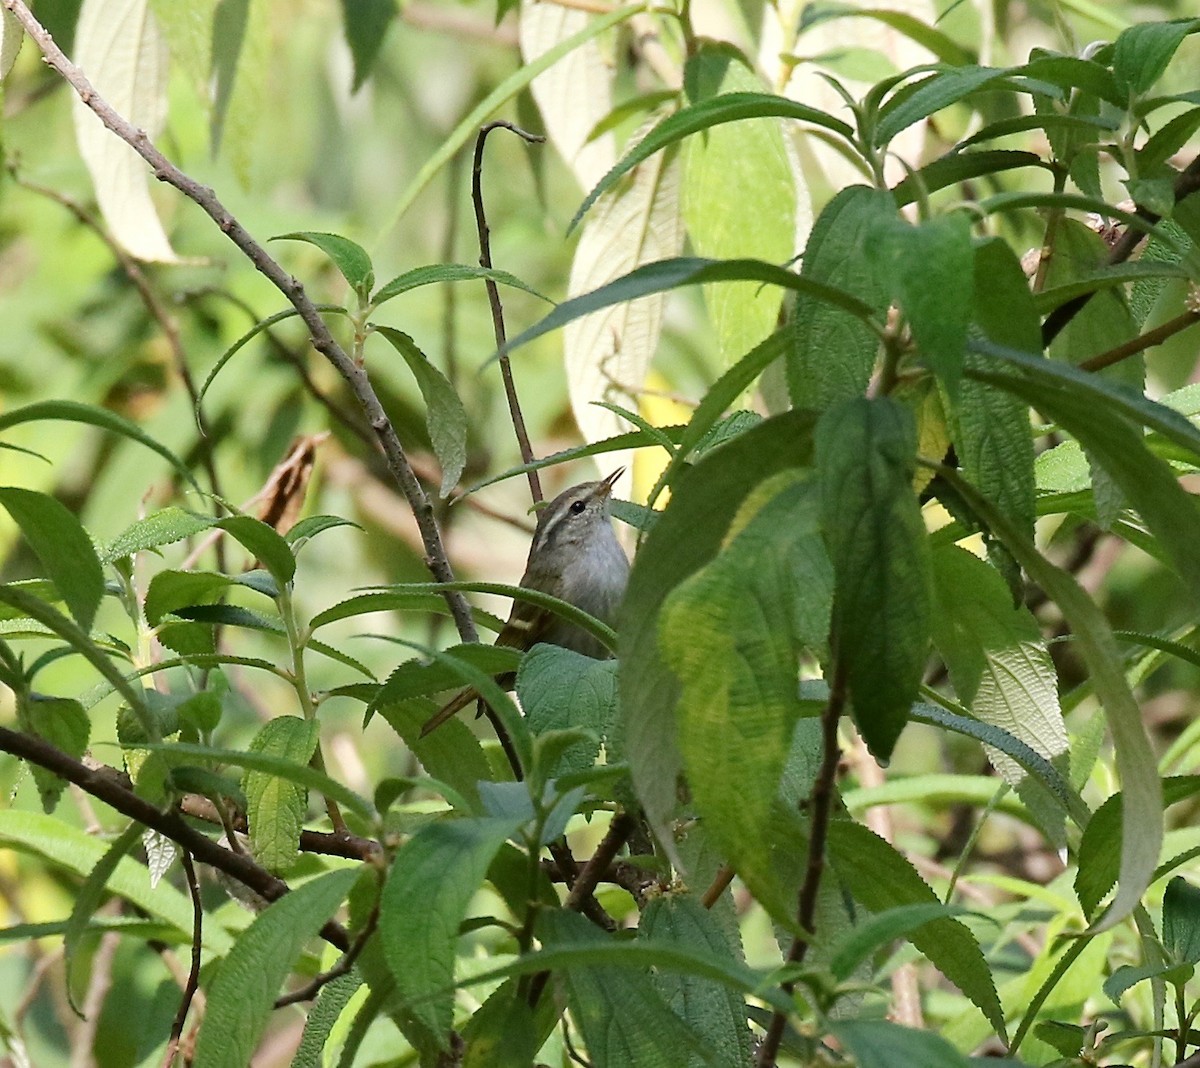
(881, 878)
(929, 269)
(275, 807)
(1141, 825)
(559, 689)
(833, 352)
(62, 722)
(712, 1011)
(63, 547)
(728, 107)
(882, 1044)
(865, 451)
(348, 256)
(738, 198)
(432, 880)
(991, 428)
(622, 1017)
(68, 847)
(732, 633)
(243, 992)
(688, 271)
(445, 417)
(1142, 52)
(704, 501)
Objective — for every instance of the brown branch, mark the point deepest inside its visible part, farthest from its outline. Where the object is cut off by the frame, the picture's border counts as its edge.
(103, 784)
(323, 341)
(193, 978)
(622, 826)
(1140, 343)
(312, 988)
(820, 805)
(493, 292)
(718, 886)
(1187, 182)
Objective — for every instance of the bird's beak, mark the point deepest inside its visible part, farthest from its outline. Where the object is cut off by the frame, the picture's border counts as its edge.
(606, 485)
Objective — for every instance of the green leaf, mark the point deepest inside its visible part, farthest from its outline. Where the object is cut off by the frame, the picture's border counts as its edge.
(431, 883)
(267, 762)
(930, 269)
(713, 1012)
(1142, 52)
(738, 198)
(35, 608)
(728, 107)
(348, 257)
(865, 451)
(991, 428)
(997, 658)
(1141, 831)
(1098, 859)
(505, 91)
(401, 600)
(1052, 376)
(65, 725)
(1146, 481)
(688, 535)
(881, 1044)
(248, 981)
(419, 678)
(445, 417)
(452, 753)
(941, 89)
(733, 633)
(310, 527)
(87, 901)
(63, 547)
(275, 807)
(686, 271)
(864, 939)
(833, 352)
(623, 1019)
(366, 23)
(1181, 920)
(74, 412)
(322, 1018)
(957, 166)
(942, 46)
(560, 688)
(164, 527)
(448, 272)
(67, 847)
(267, 545)
(881, 878)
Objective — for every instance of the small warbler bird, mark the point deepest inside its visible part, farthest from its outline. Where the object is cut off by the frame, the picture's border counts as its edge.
(576, 557)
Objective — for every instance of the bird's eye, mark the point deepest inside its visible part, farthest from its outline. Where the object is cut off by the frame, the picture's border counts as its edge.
(578, 507)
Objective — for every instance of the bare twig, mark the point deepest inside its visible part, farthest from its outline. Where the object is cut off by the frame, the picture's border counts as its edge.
(485, 260)
(718, 886)
(1142, 342)
(103, 784)
(312, 988)
(356, 377)
(193, 977)
(622, 826)
(820, 806)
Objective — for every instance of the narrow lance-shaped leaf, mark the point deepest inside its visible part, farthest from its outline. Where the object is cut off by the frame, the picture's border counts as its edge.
(865, 453)
(275, 807)
(834, 350)
(688, 535)
(348, 257)
(243, 992)
(732, 633)
(432, 880)
(62, 546)
(1141, 826)
(929, 268)
(445, 417)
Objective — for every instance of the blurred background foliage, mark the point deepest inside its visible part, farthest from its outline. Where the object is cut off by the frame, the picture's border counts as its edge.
(305, 150)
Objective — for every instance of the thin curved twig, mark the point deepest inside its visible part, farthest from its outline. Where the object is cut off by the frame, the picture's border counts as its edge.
(493, 292)
(193, 979)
